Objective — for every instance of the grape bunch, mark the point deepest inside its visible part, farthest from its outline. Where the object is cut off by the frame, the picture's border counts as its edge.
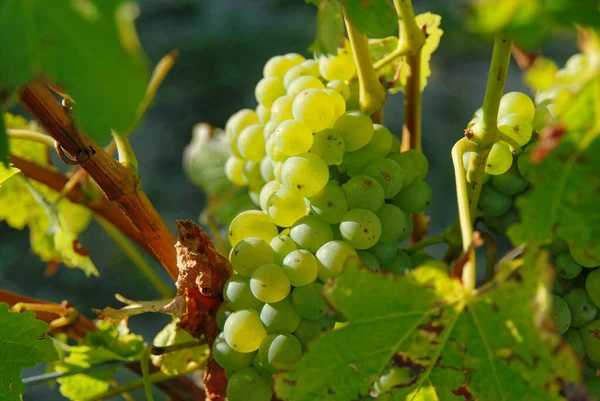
(333, 191)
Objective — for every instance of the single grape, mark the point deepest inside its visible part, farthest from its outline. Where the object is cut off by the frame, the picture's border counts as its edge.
(360, 228)
(280, 351)
(364, 192)
(266, 169)
(493, 203)
(517, 103)
(500, 224)
(309, 302)
(558, 246)
(282, 245)
(269, 129)
(583, 310)
(566, 267)
(249, 254)
(355, 162)
(293, 137)
(238, 295)
(590, 334)
(305, 174)
(277, 66)
(313, 67)
(265, 193)
(420, 162)
(302, 83)
(280, 317)
(244, 331)
(309, 329)
(334, 257)
(592, 286)
(236, 123)
(251, 143)
(315, 109)
(222, 314)
(329, 145)
(330, 204)
(247, 385)
(517, 127)
(510, 183)
(561, 314)
(400, 263)
(584, 257)
(573, 337)
(269, 283)
(251, 172)
(388, 173)
(405, 161)
(310, 232)
(234, 170)
(526, 167)
(337, 67)
(369, 261)
(384, 252)
(499, 159)
(341, 87)
(262, 367)
(268, 90)
(414, 198)
(396, 146)
(382, 140)
(281, 109)
(298, 71)
(273, 151)
(338, 101)
(251, 223)
(263, 113)
(357, 129)
(301, 267)
(562, 286)
(394, 224)
(543, 116)
(228, 358)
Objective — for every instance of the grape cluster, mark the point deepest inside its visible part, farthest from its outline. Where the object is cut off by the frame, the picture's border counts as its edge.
(333, 191)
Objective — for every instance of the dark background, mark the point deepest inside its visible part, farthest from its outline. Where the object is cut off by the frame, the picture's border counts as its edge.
(223, 46)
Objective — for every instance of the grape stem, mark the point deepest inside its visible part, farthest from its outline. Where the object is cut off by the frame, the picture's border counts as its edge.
(371, 92)
(436, 239)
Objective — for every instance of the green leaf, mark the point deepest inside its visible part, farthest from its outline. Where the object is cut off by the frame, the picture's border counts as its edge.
(568, 12)
(330, 27)
(489, 346)
(88, 46)
(175, 363)
(374, 18)
(23, 344)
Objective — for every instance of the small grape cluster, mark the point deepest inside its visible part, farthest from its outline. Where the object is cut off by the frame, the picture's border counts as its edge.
(334, 191)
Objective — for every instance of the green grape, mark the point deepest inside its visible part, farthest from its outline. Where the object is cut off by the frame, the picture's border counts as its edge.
(420, 259)
(592, 286)
(338, 101)
(493, 203)
(298, 71)
(517, 103)
(305, 174)
(510, 183)
(268, 90)
(281, 109)
(592, 385)
(499, 159)
(591, 340)
(400, 263)
(293, 137)
(330, 204)
(252, 174)
(526, 167)
(266, 169)
(561, 314)
(313, 67)
(394, 224)
(285, 207)
(274, 152)
(302, 83)
(364, 192)
(265, 193)
(309, 302)
(309, 329)
(247, 385)
(228, 358)
(282, 245)
(337, 67)
(249, 254)
(405, 161)
(301, 267)
(263, 113)
(517, 127)
(584, 257)
(543, 116)
(280, 317)
(558, 246)
(382, 140)
(360, 228)
(355, 162)
(236, 123)
(396, 147)
(261, 367)
(277, 166)
(388, 173)
(384, 252)
(395, 377)
(357, 129)
(269, 283)
(341, 87)
(238, 295)
(244, 331)
(310, 233)
(414, 198)
(583, 310)
(314, 108)
(251, 223)
(500, 224)
(280, 351)
(329, 145)
(222, 314)
(269, 129)
(369, 261)
(277, 66)
(251, 142)
(561, 286)
(573, 337)
(420, 162)
(334, 257)
(234, 170)
(254, 196)
(566, 267)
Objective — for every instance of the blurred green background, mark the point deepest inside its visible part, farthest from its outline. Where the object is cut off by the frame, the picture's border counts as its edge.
(223, 46)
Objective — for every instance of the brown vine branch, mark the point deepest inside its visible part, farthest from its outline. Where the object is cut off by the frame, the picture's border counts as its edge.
(119, 183)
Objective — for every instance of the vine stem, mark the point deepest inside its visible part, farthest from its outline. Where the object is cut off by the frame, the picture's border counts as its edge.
(29, 135)
(436, 239)
(371, 92)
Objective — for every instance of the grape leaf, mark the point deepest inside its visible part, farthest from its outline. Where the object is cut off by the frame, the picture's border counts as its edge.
(493, 345)
(330, 27)
(374, 18)
(89, 47)
(23, 343)
(174, 363)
